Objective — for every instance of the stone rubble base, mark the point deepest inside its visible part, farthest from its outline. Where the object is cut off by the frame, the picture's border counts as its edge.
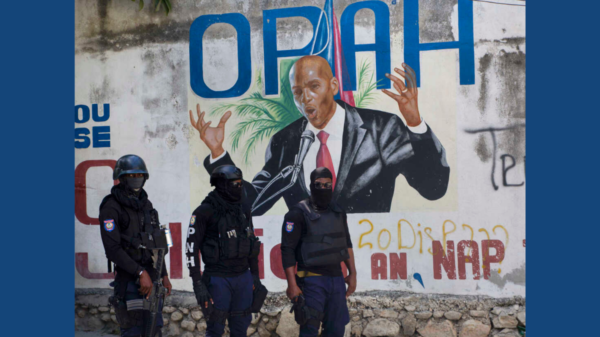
(393, 314)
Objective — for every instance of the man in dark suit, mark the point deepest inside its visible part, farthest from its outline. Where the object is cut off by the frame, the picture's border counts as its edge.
(364, 149)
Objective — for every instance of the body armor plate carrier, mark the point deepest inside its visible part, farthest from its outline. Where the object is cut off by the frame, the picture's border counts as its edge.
(325, 241)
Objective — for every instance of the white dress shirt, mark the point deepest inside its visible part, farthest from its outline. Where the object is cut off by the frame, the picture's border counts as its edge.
(335, 129)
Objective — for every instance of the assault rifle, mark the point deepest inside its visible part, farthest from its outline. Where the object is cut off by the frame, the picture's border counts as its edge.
(158, 242)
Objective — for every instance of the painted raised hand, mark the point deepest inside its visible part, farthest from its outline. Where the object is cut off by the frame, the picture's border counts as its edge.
(407, 99)
(211, 136)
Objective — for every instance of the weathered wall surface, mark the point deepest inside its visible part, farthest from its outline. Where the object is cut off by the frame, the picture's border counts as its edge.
(135, 66)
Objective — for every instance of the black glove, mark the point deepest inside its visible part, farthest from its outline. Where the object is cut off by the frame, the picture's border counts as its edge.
(256, 281)
(202, 294)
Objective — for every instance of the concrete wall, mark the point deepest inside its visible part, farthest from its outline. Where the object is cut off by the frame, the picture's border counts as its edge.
(137, 65)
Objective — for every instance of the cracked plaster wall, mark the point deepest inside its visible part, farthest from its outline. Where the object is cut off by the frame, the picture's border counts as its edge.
(138, 61)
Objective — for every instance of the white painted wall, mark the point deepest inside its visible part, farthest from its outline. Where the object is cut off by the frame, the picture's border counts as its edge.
(146, 81)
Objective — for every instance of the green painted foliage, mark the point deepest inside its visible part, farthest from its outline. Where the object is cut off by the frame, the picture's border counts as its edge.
(157, 4)
(262, 117)
(365, 95)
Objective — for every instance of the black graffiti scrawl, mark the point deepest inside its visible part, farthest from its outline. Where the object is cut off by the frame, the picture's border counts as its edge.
(508, 161)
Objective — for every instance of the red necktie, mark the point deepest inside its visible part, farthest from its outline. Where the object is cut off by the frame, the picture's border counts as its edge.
(323, 156)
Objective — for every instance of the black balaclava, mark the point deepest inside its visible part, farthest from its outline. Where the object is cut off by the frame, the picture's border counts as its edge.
(227, 191)
(320, 198)
(132, 184)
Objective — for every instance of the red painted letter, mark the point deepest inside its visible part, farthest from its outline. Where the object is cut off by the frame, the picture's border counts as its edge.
(175, 251)
(378, 266)
(80, 189)
(440, 259)
(276, 263)
(473, 259)
(487, 259)
(81, 264)
(398, 266)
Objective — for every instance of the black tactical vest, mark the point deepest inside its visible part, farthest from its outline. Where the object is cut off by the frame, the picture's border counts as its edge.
(325, 241)
(133, 227)
(236, 241)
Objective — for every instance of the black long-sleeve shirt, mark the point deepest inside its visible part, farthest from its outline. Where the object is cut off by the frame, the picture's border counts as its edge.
(204, 223)
(111, 239)
(291, 243)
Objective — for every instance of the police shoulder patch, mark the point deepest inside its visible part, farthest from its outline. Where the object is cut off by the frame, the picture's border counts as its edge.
(193, 220)
(289, 227)
(109, 225)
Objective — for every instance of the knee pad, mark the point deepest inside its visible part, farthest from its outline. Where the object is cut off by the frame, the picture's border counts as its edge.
(127, 318)
(242, 313)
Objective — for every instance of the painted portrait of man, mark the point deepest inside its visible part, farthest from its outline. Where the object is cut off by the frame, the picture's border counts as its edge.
(365, 149)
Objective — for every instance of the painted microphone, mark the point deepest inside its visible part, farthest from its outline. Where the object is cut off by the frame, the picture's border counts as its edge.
(308, 137)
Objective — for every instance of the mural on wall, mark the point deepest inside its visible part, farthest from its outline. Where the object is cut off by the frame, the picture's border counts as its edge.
(428, 98)
(364, 149)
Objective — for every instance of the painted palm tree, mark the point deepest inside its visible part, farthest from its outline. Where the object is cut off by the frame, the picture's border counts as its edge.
(367, 86)
(262, 117)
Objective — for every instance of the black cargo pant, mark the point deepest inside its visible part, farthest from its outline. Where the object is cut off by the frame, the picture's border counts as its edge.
(132, 322)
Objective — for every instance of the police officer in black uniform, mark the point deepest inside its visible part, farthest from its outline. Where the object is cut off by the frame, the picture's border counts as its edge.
(221, 229)
(124, 214)
(315, 235)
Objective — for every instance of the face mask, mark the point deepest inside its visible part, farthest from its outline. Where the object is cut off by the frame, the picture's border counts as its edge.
(228, 192)
(234, 192)
(320, 197)
(135, 183)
